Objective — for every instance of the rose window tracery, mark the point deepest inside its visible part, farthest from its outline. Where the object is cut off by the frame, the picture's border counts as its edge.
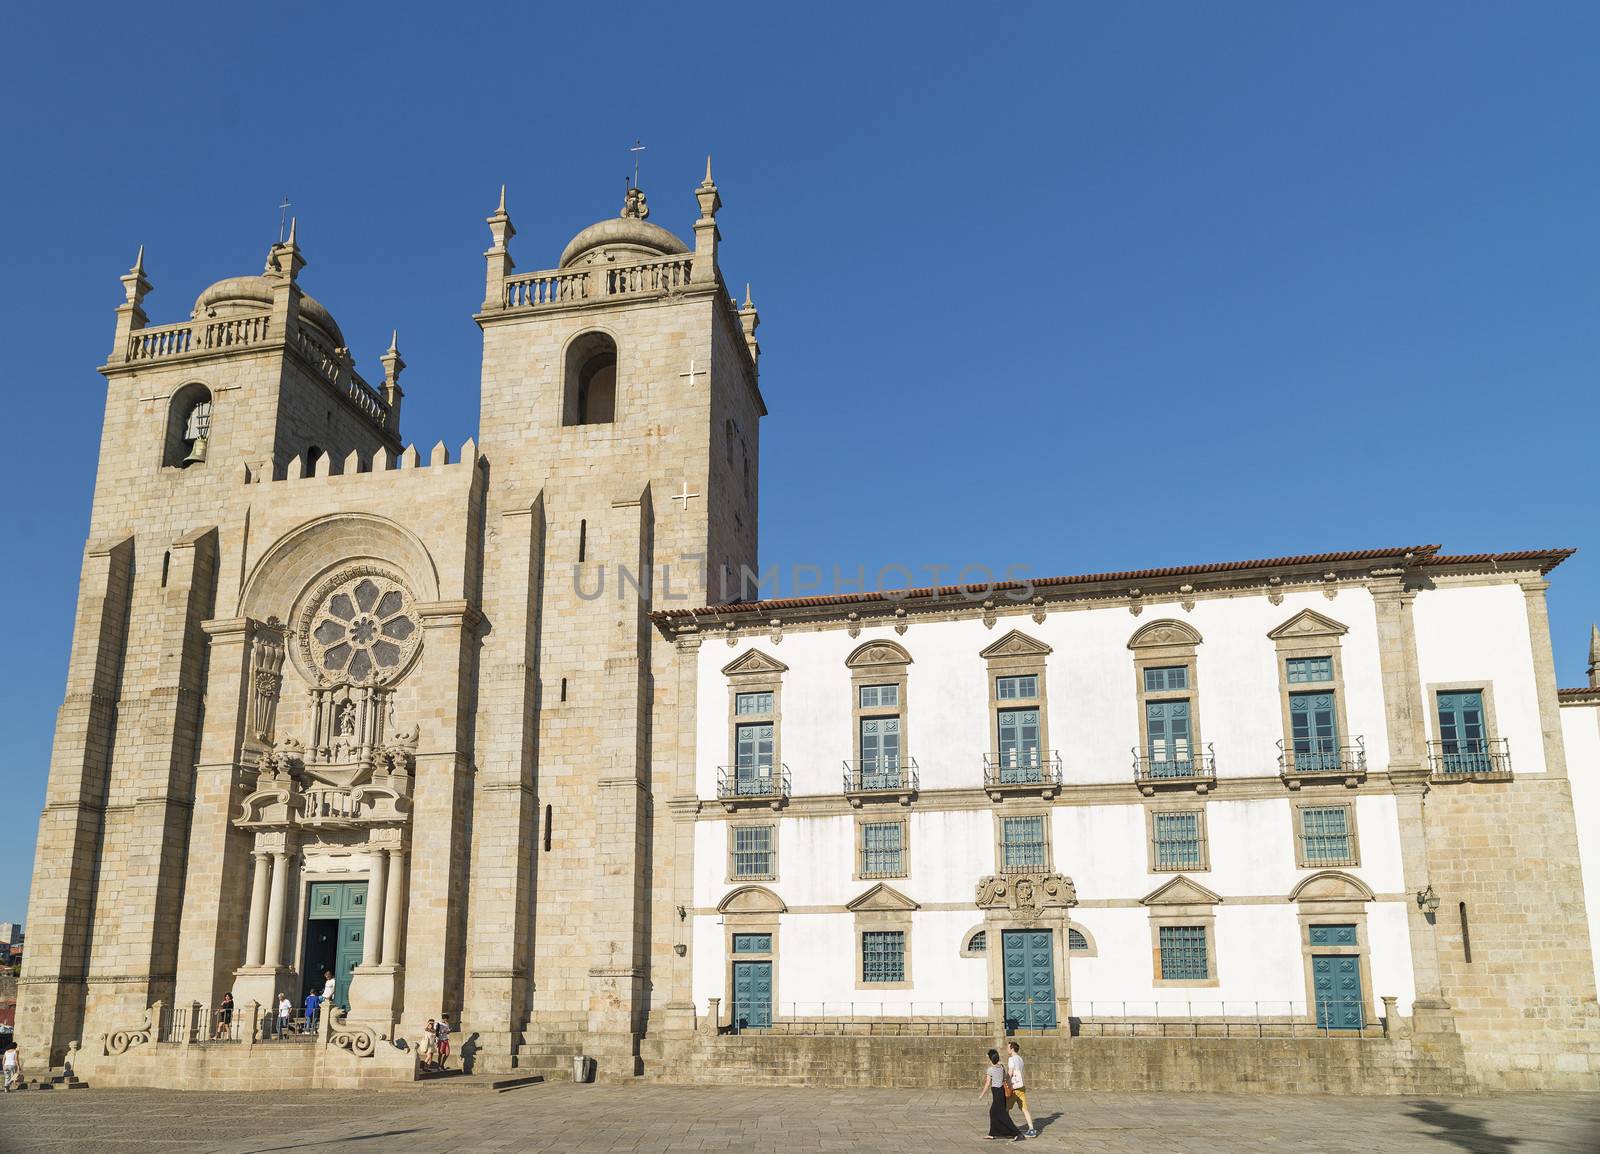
(363, 630)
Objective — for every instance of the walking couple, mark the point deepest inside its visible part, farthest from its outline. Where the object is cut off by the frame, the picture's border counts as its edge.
(1004, 1085)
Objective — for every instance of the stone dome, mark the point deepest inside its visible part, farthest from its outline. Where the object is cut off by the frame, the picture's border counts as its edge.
(629, 234)
(235, 295)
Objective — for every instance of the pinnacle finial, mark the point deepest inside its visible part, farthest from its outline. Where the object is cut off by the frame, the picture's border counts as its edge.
(502, 207)
(394, 341)
(293, 220)
(747, 303)
(1594, 643)
(138, 261)
(708, 169)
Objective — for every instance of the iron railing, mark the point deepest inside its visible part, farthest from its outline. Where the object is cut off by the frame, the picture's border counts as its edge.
(752, 782)
(1151, 766)
(909, 1019)
(1327, 1018)
(1024, 767)
(1323, 758)
(884, 775)
(1469, 757)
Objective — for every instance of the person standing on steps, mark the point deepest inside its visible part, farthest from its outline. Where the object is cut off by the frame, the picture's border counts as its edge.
(443, 1034)
(328, 987)
(994, 1083)
(13, 1069)
(428, 1046)
(1018, 1095)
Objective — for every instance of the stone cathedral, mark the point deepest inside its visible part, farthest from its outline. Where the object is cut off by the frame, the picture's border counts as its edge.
(338, 704)
(487, 734)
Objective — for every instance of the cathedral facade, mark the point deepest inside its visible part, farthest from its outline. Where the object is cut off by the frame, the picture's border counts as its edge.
(490, 733)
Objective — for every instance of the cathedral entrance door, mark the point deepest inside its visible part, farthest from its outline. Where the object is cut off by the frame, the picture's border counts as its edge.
(1029, 979)
(335, 927)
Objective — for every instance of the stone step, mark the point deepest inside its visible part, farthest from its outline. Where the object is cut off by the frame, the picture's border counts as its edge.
(455, 1080)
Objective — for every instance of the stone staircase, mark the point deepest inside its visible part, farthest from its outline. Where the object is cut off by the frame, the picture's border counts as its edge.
(549, 1054)
(58, 1080)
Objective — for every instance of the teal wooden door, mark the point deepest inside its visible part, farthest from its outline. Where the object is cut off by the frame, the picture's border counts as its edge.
(1462, 737)
(1167, 727)
(1019, 744)
(1336, 980)
(1315, 731)
(336, 915)
(1029, 979)
(880, 752)
(752, 995)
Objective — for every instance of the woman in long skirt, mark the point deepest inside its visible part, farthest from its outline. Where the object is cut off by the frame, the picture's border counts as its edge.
(994, 1084)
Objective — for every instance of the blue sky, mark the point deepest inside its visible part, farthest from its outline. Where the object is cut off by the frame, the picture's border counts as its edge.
(1069, 287)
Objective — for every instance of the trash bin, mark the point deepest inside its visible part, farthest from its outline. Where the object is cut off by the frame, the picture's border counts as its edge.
(582, 1068)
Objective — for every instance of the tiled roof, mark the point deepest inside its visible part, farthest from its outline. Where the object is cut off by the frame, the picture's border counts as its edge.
(1548, 558)
(1578, 692)
(900, 596)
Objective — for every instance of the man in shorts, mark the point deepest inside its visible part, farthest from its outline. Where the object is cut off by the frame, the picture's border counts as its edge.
(442, 1032)
(1019, 1096)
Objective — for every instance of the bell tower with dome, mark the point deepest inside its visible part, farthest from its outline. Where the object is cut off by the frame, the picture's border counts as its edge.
(621, 411)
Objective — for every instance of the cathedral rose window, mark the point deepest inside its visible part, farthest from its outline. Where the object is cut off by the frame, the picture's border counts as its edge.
(363, 630)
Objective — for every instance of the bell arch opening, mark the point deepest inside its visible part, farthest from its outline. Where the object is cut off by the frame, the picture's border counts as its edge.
(591, 381)
(188, 426)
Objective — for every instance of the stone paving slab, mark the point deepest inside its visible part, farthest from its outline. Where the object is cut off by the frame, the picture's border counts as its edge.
(656, 1119)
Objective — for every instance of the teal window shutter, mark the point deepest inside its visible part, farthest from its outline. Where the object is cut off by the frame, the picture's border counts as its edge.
(1463, 737)
(1167, 728)
(1166, 679)
(1016, 688)
(882, 849)
(748, 703)
(1314, 730)
(1019, 742)
(1022, 842)
(1305, 669)
(1325, 835)
(752, 851)
(880, 752)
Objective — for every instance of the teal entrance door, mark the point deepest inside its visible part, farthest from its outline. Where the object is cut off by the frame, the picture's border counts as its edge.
(1336, 980)
(752, 995)
(335, 929)
(1029, 979)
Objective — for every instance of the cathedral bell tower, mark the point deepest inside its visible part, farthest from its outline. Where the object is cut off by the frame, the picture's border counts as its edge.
(620, 413)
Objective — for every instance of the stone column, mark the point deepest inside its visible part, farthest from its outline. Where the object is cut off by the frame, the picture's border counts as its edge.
(276, 910)
(394, 907)
(373, 932)
(255, 945)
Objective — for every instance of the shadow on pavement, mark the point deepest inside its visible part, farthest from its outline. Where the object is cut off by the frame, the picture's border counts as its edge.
(1461, 1130)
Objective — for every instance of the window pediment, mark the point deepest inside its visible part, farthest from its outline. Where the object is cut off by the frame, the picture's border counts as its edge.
(881, 899)
(1308, 623)
(752, 900)
(1331, 886)
(1164, 635)
(877, 653)
(754, 661)
(1180, 891)
(1016, 644)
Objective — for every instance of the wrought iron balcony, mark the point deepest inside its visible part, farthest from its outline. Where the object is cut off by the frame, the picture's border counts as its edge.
(752, 784)
(895, 777)
(1022, 771)
(1153, 769)
(1323, 759)
(1472, 759)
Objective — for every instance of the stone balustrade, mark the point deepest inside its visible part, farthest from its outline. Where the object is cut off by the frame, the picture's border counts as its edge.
(554, 288)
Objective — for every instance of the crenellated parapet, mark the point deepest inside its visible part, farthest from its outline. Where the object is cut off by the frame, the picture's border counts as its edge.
(310, 466)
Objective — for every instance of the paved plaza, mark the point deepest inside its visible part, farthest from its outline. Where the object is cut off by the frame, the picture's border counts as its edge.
(646, 1119)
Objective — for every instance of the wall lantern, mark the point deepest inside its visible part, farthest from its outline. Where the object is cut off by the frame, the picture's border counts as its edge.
(1428, 900)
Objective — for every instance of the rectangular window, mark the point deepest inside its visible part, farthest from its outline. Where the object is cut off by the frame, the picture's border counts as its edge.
(1018, 731)
(1177, 840)
(879, 696)
(758, 703)
(1314, 730)
(1325, 835)
(752, 851)
(1012, 688)
(883, 956)
(1463, 736)
(1304, 669)
(880, 752)
(1183, 953)
(1167, 728)
(752, 943)
(883, 849)
(1333, 935)
(1022, 843)
(1166, 678)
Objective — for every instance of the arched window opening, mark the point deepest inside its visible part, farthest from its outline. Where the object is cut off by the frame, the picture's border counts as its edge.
(188, 427)
(1076, 940)
(591, 381)
(978, 943)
